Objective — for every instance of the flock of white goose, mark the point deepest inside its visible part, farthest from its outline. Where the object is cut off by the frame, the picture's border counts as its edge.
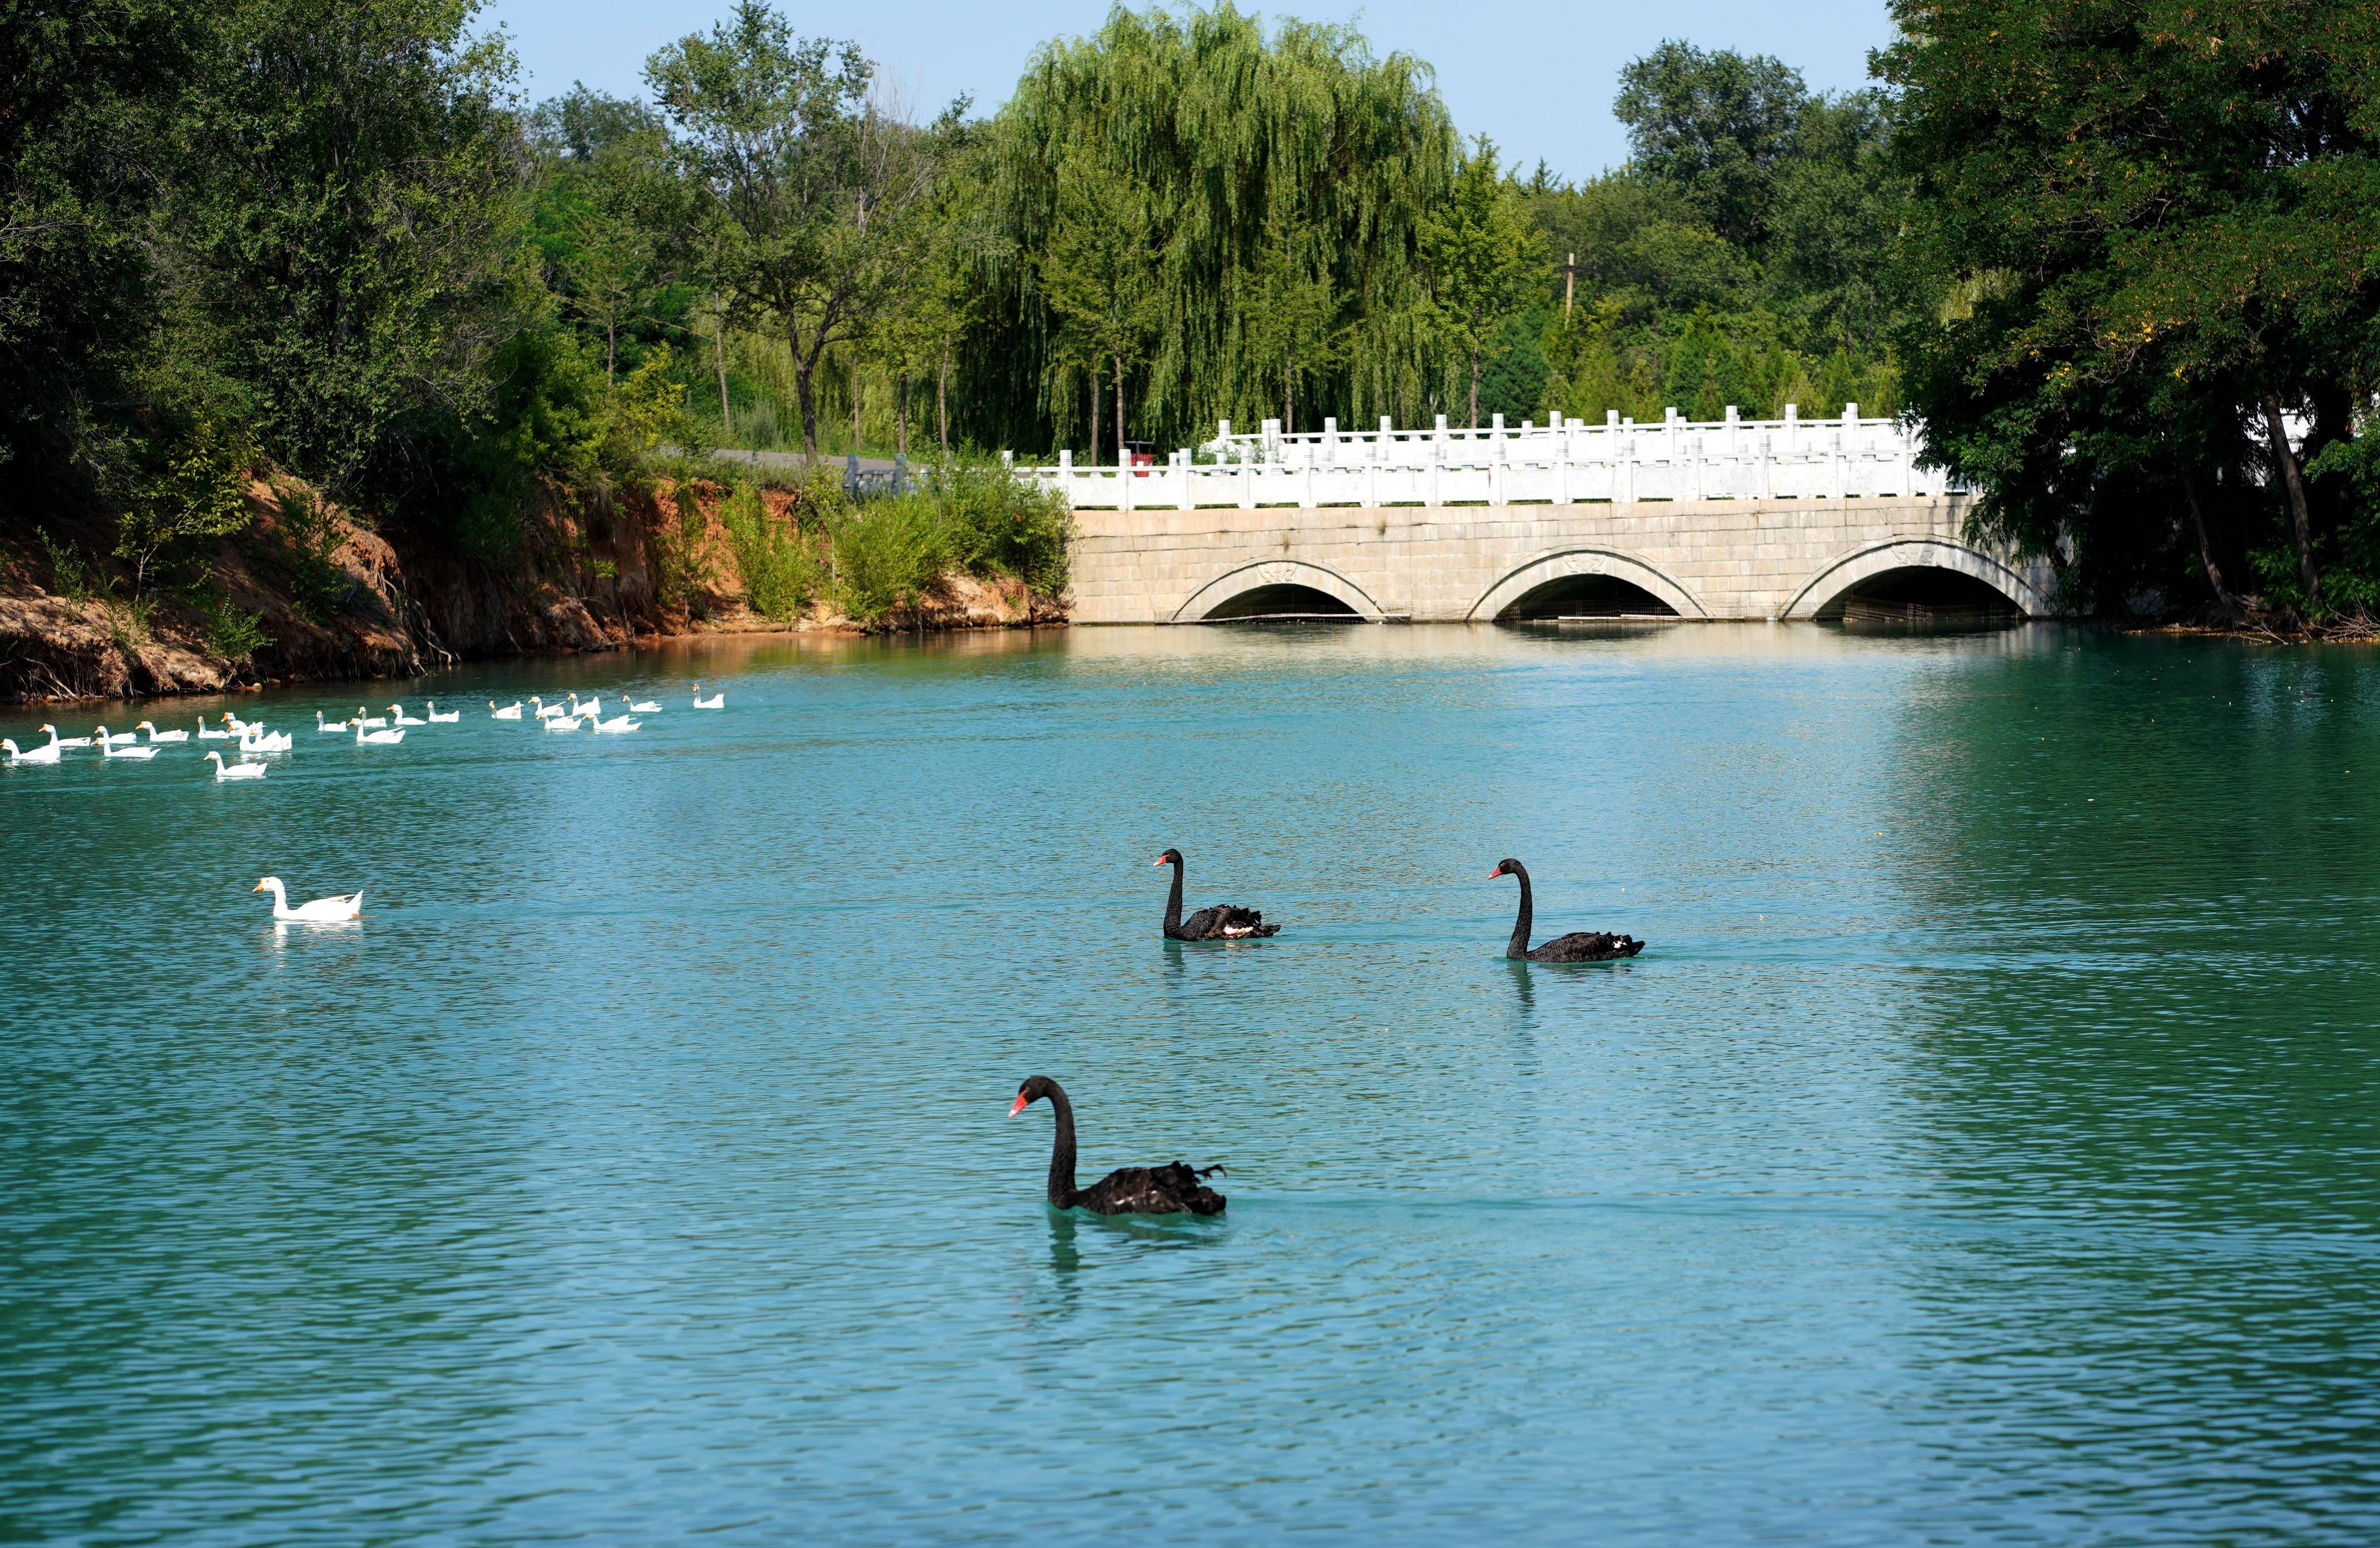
(371, 730)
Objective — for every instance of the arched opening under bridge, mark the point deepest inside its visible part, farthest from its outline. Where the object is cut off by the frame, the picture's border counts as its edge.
(1285, 602)
(1921, 596)
(1585, 597)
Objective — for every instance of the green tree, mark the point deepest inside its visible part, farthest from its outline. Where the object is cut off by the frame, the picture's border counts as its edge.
(1480, 255)
(2153, 231)
(1098, 274)
(1295, 319)
(1715, 125)
(814, 189)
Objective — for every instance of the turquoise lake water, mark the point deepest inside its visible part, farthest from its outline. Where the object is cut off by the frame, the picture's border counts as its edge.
(1985, 1148)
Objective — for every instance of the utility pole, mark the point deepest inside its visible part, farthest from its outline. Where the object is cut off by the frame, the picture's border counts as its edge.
(1570, 286)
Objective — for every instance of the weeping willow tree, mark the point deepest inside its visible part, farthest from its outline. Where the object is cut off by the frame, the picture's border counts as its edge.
(1266, 196)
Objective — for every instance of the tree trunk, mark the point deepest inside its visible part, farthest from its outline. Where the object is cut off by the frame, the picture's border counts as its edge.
(726, 424)
(806, 390)
(1474, 386)
(901, 409)
(2223, 596)
(1094, 374)
(1288, 393)
(2300, 519)
(942, 404)
(611, 347)
(1122, 457)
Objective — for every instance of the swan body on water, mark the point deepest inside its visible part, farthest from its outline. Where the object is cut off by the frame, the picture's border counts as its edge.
(397, 716)
(206, 735)
(102, 737)
(1221, 922)
(378, 738)
(68, 741)
(592, 711)
(509, 712)
(446, 719)
(259, 740)
(321, 911)
(621, 722)
(235, 770)
(643, 707)
(369, 722)
(50, 754)
(1169, 1190)
(329, 728)
(1579, 946)
(563, 722)
(121, 747)
(156, 735)
(545, 711)
(716, 701)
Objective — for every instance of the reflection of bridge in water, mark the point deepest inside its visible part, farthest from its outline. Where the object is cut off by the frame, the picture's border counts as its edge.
(1730, 519)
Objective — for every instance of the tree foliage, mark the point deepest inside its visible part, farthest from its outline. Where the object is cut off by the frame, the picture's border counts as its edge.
(2153, 226)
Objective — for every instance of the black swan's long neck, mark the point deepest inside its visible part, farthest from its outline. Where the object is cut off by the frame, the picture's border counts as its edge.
(1174, 902)
(1519, 944)
(1061, 1153)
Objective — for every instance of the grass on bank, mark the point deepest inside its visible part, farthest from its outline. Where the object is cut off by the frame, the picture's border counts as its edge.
(872, 556)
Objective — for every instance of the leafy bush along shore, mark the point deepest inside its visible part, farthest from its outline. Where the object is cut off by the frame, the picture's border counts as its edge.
(803, 551)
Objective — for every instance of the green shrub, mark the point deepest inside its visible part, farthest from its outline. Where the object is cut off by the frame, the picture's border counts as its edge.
(998, 525)
(779, 574)
(70, 568)
(887, 554)
(309, 538)
(233, 634)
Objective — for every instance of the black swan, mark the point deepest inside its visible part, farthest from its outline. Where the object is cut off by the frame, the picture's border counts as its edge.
(1223, 922)
(1579, 946)
(1167, 1190)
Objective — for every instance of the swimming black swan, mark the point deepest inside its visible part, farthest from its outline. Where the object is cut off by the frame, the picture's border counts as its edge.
(1579, 946)
(1223, 922)
(1126, 1191)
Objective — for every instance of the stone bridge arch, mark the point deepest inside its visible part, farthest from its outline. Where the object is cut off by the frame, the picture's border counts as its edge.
(1276, 572)
(1562, 565)
(1913, 553)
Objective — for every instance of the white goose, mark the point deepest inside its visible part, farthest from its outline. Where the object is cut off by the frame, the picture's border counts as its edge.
(68, 741)
(235, 770)
(321, 911)
(239, 727)
(397, 716)
(563, 722)
(50, 754)
(259, 740)
(329, 728)
(370, 722)
(509, 712)
(546, 711)
(206, 735)
(643, 707)
(446, 719)
(377, 738)
(102, 737)
(621, 722)
(115, 747)
(592, 711)
(716, 701)
(155, 735)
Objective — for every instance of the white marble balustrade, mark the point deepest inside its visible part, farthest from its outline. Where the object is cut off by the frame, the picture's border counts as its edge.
(1562, 463)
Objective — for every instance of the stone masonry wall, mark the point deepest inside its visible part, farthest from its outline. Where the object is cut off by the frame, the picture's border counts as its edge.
(1737, 559)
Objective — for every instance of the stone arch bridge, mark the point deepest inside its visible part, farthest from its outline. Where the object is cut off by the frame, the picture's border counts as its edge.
(1720, 559)
(1719, 519)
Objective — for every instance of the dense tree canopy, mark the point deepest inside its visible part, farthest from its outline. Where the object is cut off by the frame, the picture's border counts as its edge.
(2150, 231)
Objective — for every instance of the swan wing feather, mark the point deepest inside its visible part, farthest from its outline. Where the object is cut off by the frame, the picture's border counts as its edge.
(1586, 946)
(1172, 1189)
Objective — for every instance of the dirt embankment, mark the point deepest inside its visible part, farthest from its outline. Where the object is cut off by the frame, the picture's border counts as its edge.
(332, 597)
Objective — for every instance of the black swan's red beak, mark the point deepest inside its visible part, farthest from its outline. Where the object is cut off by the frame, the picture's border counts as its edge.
(1159, 861)
(1021, 1100)
(1494, 873)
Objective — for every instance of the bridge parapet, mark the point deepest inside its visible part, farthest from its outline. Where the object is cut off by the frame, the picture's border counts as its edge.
(1562, 463)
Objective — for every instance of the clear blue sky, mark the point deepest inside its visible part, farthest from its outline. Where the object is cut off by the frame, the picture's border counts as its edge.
(1537, 76)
